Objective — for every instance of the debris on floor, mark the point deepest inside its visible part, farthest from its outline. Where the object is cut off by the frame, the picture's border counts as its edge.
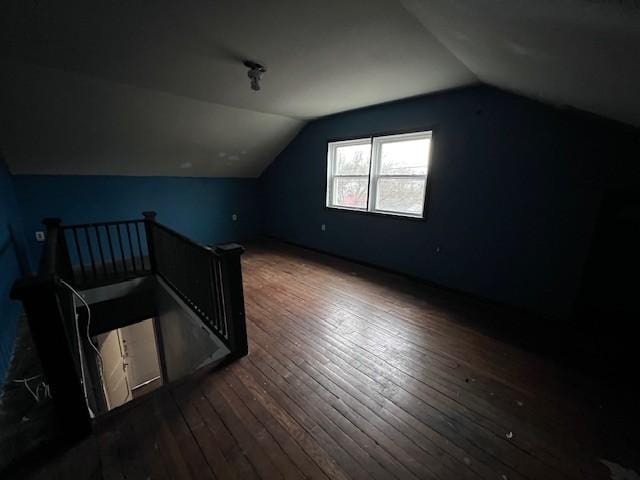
(618, 472)
(26, 416)
(509, 435)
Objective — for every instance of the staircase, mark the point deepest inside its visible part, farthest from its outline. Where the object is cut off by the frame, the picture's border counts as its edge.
(129, 271)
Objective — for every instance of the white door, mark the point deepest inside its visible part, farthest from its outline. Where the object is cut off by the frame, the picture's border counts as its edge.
(140, 352)
(114, 367)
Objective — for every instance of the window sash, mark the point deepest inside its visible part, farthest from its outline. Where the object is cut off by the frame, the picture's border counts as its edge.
(374, 197)
(331, 169)
(334, 203)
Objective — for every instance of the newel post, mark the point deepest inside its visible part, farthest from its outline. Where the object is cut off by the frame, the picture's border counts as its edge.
(55, 257)
(149, 221)
(45, 311)
(234, 297)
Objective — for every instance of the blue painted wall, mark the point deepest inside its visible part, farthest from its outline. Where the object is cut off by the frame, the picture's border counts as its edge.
(13, 264)
(200, 208)
(515, 191)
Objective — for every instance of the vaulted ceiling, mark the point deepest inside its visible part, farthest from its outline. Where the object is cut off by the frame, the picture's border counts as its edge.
(582, 53)
(158, 88)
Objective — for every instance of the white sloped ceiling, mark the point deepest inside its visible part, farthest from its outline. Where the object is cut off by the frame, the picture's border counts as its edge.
(57, 122)
(158, 88)
(582, 53)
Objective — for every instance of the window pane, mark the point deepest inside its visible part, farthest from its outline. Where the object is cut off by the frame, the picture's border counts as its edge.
(350, 192)
(409, 157)
(402, 195)
(353, 159)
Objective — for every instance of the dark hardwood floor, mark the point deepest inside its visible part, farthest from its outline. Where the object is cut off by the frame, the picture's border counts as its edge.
(356, 373)
(26, 425)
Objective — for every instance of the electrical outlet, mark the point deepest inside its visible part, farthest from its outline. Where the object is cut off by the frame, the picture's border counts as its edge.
(40, 237)
(234, 217)
(323, 227)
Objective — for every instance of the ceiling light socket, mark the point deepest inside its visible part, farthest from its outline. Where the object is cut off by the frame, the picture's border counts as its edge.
(255, 73)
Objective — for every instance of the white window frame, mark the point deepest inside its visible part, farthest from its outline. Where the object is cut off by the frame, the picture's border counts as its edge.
(374, 176)
(331, 167)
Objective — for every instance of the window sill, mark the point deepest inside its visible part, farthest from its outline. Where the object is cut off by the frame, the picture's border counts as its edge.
(400, 216)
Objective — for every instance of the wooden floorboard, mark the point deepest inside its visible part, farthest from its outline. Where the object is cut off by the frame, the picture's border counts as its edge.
(357, 373)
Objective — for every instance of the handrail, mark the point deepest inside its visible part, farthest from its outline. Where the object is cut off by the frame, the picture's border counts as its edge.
(99, 224)
(208, 279)
(182, 237)
(106, 252)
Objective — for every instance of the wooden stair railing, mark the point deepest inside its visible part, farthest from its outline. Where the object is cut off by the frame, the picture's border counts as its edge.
(107, 252)
(208, 280)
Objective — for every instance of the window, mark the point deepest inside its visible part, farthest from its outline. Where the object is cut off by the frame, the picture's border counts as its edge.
(385, 175)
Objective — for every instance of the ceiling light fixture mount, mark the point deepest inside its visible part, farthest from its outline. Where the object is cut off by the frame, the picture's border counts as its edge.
(255, 73)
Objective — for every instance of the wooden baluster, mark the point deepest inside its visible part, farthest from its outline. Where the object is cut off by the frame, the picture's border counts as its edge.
(78, 250)
(137, 227)
(90, 247)
(218, 299)
(149, 225)
(216, 310)
(104, 265)
(205, 265)
(124, 262)
(113, 257)
(133, 256)
(231, 270)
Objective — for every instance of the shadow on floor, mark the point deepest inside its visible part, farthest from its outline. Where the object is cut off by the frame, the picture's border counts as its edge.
(26, 414)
